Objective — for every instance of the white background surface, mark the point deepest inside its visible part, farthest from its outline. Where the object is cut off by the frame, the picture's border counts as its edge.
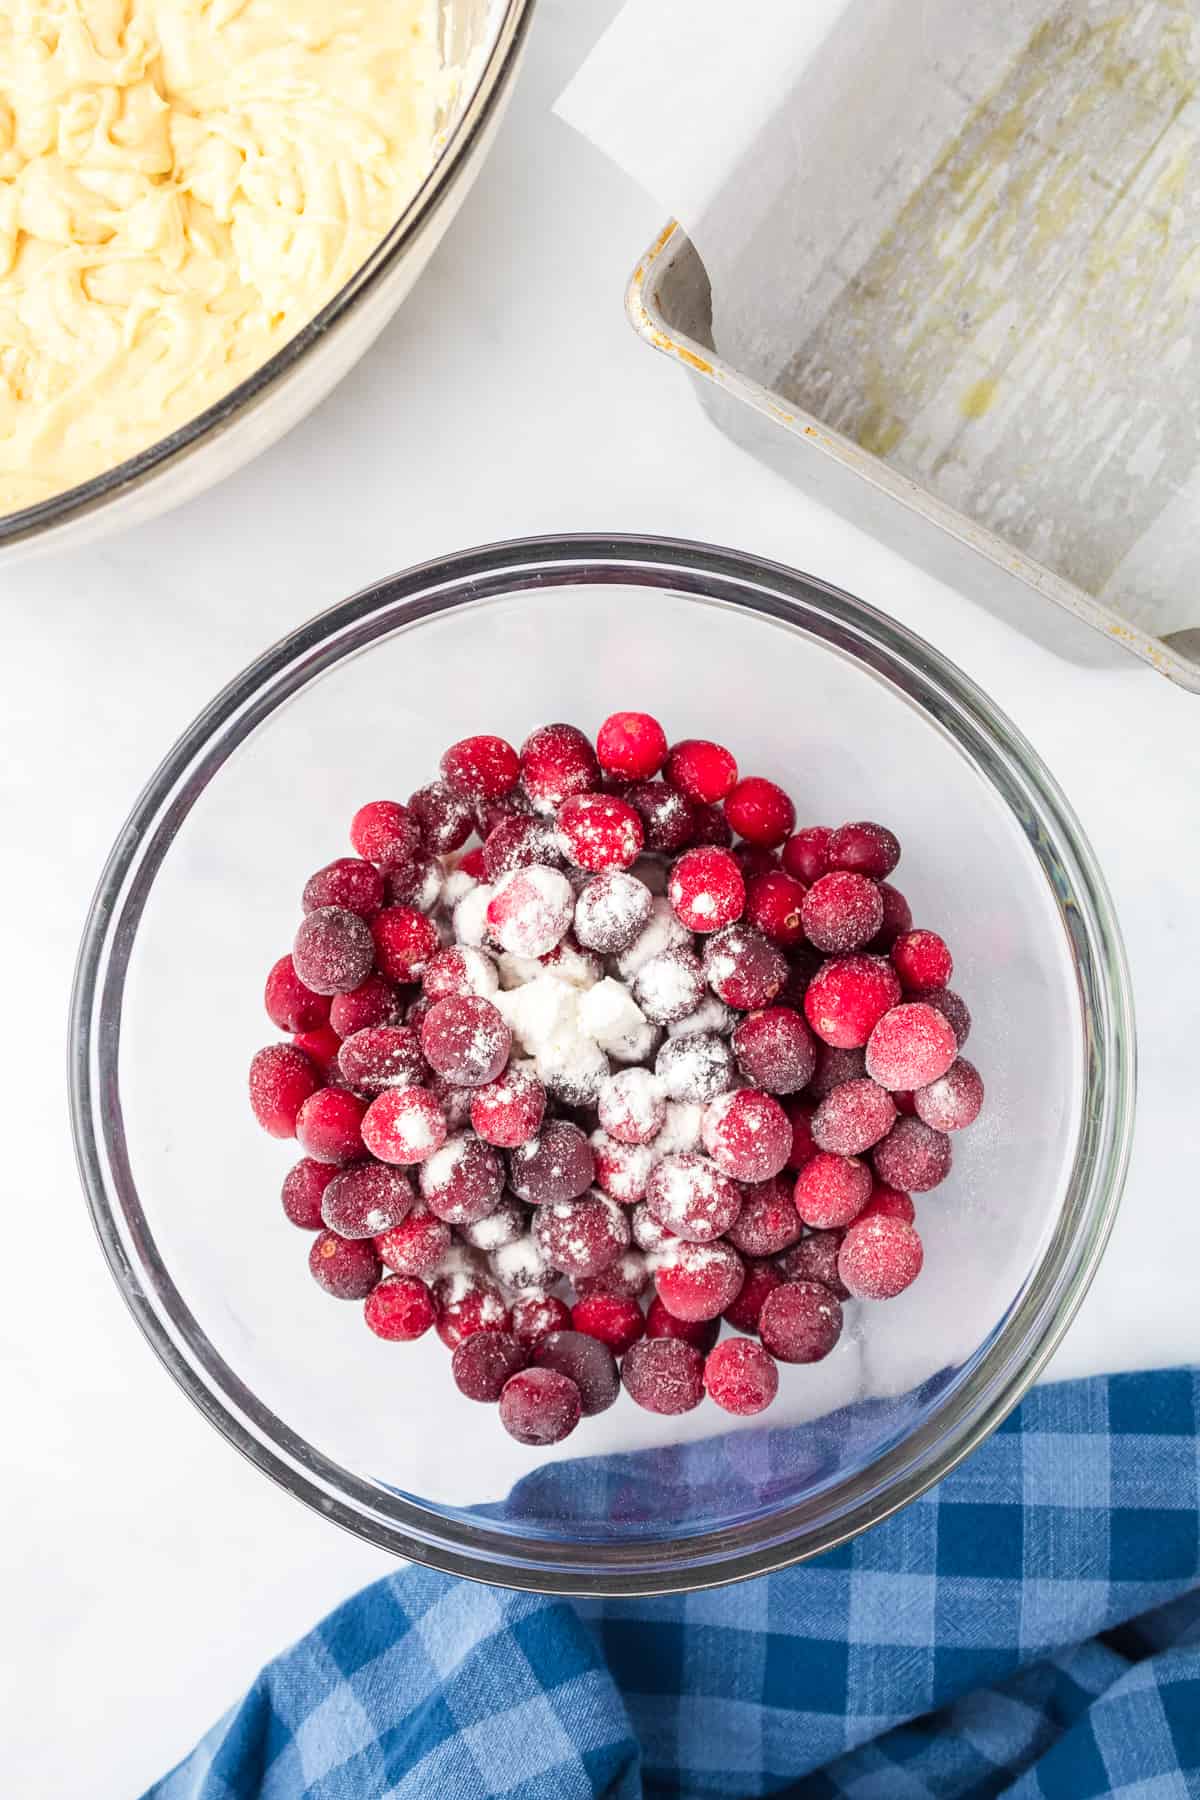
(146, 1570)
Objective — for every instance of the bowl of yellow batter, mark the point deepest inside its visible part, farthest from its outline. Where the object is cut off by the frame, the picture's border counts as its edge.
(208, 209)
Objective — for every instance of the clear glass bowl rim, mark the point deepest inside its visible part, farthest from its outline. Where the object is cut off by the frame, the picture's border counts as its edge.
(1020, 1346)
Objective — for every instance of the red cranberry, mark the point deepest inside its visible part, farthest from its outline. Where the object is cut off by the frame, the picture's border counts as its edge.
(814, 1258)
(648, 1233)
(540, 1406)
(664, 1375)
(668, 819)
(670, 985)
(631, 745)
(773, 907)
(741, 1377)
(760, 812)
(418, 884)
(701, 1334)
(509, 1110)
(806, 854)
(692, 1197)
(704, 771)
(621, 1169)
(953, 1008)
(488, 811)
(399, 1309)
(482, 768)
(612, 1319)
(504, 1225)
(404, 1125)
(864, 848)
(889, 1203)
(879, 1258)
(556, 1165)
(523, 1266)
(853, 1117)
(556, 762)
(347, 1268)
(417, 1245)
(443, 817)
(834, 1067)
(698, 1281)
(350, 883)
(800, 1114)
(911, 1046)
(405, 940)
(775, 1050)
(385, 833)
(922, 961)
(381, 1057)
(460, 970)
(329, 1126)
(290, 1004)
(897, 917)
(768, 1221)
(585, 1361)
(743, 968)
(711, 827)
(611, 911)
(847, 997)
(831, 1190)
(516, 843)
(472, 864)
(466, 1040)
(321, 1047)
(841, 912)
(366, 1200)
(706, 889)
(755, 861)
(953, 1101)
(800, 1322)
(747, 1134)
(530, 910)
(483, 1363)
(600, 831)
(628, 1277)
(374, 1002)
(632, 1106)
(333, 951)
(581, 1237)
(303, 1187)
(695, 1068)
(912, 1157)
(463, 1181)
(761, 1278)
(468, 1302)
(535, 1316)
(454, 1101)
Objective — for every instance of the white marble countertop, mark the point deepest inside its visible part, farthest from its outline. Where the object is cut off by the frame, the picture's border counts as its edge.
(147, 1569)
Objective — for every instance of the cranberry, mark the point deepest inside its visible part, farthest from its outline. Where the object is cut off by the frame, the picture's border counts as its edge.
(418, 884)
(922, 961)
(383, 1056)
(755, 861)
(523, 1266)
(466, 1040)
(880, 1257)
(386, 834)
(632, 1106)
(701, 1334)
(803, 962)
(581, 1237)
(911, 1046)
(864, 848)
(692, 1197)
(831, 1190)
(741, 1377)
(800, 1322)
(698, 1281)
(621, 1169)
(841, 912)
(628, 1277)
(322, 1047)
(556, 1165)
(768, 1221)
(585, 1361)
(912, 1157)
(600, 831)
(468, 1302)
(329, 1126)
(847, 997)
(303, 1187)
(556, 762)
(505, 1224)
(535, 1316)
(374, 1002)
(530, 910)
(482, 1364)
(897, 917)
(814, 1258)
(482, 768)
(540, 1406)
(696, 1068)
(291, 1006)
(760, 812)
(454, 1101)
(404, 1125)
(443, 817)
(704, 771)
(951, 1007)
(473, 865)
(773, 907)
(578, 967)
(350, 883)
(631, 745)
(668, 818)
(743, 968)
(747, 1134)
(516, 843)
(648, 1233)
(460, 970)
(806, 854)
(417, 1245)
(366, 1200)
(399, 1309)
(711, 827)
(670, 985)
(800, 1114)
(611, 911)
(834, 1067)
(665, 1375)
(509, 1110)
(611, 1318)
(405, 940)
(853, 1117)
(463, 1181)
(761, 1277)
(347, 1268)
(488, 811)
(890, 1203)
(333, 951)
(905, 1103)
(706, 889)
(953, 1101)
(775, 1050)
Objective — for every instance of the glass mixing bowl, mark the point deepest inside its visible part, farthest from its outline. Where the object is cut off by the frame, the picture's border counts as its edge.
(858, 719)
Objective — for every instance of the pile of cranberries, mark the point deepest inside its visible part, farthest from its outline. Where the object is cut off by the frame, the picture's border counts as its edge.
(644, 1059)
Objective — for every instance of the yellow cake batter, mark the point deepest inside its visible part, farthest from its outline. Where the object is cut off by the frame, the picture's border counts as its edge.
(183, 183)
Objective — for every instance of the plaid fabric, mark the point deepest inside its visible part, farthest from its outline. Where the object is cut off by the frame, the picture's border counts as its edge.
(1031, 1628)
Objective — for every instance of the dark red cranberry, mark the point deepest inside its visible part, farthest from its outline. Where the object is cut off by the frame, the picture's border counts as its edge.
(631, 745)
(488, 812)
(628, 1277)
(743, 969)
(581, 1237)
(333, 950)
(385, 833)
(466, 1040)
(760, 812)
(800, 1322)
(540, 1406)
(913, 1157)
(897, 917)
(664, 1375)
(290, 1004)
(350, 882)
(482, 768)
(518, 843)
(952, 1007)
(704, 771)
(701, 1334)
(695, 1068)
(556, 1165)
(768, 1221)
(463, 1181)
(468, 1301)
(556, 762)
(800, 1114)
(806, 854)
(952, 1102)
(535, 1316)
(443, 817)
(761, 1277)
(366, 1200)
(692, 1197)
(853, 1117)
(347, 1268)
(755, 861)
(668, 818)
(281, 1079)
(741, 1377)
(814, 1258)
(303, 1186)
(710, 826)
(381, 1057)
(841, 912)
(775, 1050)
(611, 911)
(483, 1363)
(399, 1309)
(418, 884)
(864, 848)
(833, 1067)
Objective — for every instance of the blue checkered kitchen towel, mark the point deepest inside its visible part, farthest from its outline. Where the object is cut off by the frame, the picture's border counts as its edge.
(1029, 1628)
